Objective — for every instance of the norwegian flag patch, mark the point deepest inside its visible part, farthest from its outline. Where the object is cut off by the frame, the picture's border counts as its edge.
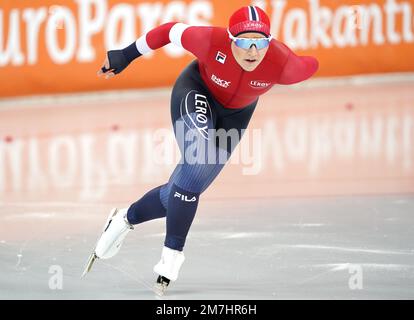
(221, 57)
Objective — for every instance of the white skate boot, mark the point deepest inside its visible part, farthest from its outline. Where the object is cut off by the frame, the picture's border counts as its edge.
(114, 232)
(167, 269)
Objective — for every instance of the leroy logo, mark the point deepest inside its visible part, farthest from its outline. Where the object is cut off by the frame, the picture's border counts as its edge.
(259, 84)
(220, 82)
(221, 57)
(183, 197)
(198, 103)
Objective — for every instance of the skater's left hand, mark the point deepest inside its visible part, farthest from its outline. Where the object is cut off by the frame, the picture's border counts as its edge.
(114, 63)
(107, 74)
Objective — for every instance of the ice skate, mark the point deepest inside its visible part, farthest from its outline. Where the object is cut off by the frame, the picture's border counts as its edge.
(113, 234)
(167, 269)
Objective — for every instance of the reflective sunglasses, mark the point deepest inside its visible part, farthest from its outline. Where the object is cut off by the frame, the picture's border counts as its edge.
(247, 43)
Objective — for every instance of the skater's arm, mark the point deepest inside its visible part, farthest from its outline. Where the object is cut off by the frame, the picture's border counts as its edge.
(297, 68)
(194, 39)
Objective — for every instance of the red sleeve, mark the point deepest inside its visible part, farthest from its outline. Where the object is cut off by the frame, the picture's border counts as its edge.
(197, 41)
(298, 68)
(159, 36)
(194, 39)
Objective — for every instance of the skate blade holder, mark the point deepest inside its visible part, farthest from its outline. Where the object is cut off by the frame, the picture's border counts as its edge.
(161, 285)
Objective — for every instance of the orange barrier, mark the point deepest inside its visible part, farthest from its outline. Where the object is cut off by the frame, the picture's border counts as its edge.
(57, 46)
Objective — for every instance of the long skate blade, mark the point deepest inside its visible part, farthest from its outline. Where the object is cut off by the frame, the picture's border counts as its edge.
(160, 289)
(161, 285)
(89, 264)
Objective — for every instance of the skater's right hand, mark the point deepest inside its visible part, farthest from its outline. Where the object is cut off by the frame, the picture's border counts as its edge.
(114, 63)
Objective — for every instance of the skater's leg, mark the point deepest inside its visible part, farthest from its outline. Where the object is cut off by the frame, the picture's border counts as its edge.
(202, 162)
(184, 190)
(149, 207)
(153, 204)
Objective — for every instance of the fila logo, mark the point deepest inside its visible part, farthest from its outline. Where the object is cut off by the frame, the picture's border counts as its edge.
(220, 82)
(221, 57)
(259, 84)
(183, 197)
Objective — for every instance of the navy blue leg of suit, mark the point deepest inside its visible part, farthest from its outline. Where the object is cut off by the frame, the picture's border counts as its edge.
(178, 199)
(193, 112)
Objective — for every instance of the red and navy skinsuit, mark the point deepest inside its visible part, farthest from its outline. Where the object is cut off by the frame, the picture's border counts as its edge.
(213, 92)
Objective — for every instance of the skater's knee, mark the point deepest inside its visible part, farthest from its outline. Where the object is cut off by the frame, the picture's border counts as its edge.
(149, 207)
(196, 178)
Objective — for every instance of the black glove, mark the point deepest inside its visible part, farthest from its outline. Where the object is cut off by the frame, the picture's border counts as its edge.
(120, 59)
(117, 61)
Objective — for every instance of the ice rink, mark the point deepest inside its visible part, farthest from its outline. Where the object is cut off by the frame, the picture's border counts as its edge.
(324, 209)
